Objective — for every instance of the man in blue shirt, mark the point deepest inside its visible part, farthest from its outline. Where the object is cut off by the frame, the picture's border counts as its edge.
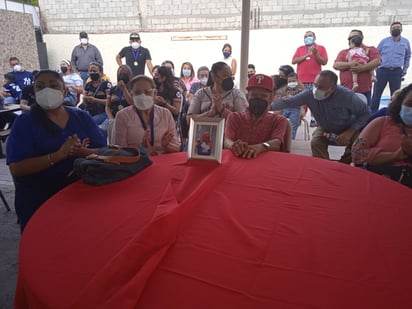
(339, 111)
(22, 78)
(395, 53)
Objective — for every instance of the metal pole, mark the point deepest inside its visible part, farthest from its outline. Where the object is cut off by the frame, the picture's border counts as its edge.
(244, 44)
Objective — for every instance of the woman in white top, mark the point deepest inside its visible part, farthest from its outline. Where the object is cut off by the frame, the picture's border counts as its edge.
(72, 81)
(228, 59)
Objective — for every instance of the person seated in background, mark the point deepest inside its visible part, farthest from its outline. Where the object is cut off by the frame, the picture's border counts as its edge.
(203, 76)
(281, 81)
(255, 130)
(28, 97)
(145, 124)
(251, 70)
(72, 81)
(177, 82)
(43, 144)
(278, 83)
(293, 113)
(338, 110)
(219, 98)
(187, 76)
(168, 96)
(119, 97)
(11, 91)
(385, 144)
(95, 93)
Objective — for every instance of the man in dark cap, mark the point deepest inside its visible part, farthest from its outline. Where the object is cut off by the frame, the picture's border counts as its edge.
(83, 55)
(137, 57)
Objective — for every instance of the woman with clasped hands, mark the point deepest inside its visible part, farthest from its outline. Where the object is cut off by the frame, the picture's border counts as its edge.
(219, 98)
(43, 144)
(145, 124)
(385, 144)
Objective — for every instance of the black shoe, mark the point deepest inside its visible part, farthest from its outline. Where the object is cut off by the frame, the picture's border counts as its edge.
(313, 123)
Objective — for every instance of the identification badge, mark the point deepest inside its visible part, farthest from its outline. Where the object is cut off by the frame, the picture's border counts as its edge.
(135, 63)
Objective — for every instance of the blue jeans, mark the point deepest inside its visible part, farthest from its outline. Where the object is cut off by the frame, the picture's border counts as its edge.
(84, 75)
(99, 118)
(367, 94)
(384, 76)
(294, 116)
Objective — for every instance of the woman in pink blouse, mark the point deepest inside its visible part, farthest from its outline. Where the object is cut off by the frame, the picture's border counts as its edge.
(145, 124)
(387, 141)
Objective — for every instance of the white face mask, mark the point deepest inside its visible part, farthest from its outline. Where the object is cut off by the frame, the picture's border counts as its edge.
(203, 81)
(84, 41)
(143, 102)
(135, 45)
(17, 68)
(49, 98)
(318, 94)
(292, 84)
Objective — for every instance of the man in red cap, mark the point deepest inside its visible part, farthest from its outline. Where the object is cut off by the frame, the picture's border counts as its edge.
(255, 130)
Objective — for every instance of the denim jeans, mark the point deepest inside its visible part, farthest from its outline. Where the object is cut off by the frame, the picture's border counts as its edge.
(294, 116)
(99, 118)
(84, 75)
(384, 76)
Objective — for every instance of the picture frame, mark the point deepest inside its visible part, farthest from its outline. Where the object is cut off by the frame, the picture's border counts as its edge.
(206, 139)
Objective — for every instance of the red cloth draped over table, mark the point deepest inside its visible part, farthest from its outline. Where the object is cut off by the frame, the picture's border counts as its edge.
(280, 231)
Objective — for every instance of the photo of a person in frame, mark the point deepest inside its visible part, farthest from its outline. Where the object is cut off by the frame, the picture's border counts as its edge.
(205, 138)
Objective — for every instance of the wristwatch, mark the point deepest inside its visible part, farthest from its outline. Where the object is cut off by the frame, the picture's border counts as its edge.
(266, 145)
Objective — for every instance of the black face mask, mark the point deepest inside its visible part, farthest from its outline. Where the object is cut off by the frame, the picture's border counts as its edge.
(249, 75)
(63, 69)
(396, 32)
(94, 76)
(124, 78)
(257, 107)
(227, 84)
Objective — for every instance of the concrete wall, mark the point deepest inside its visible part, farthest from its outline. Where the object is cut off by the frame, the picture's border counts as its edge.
(107, 16)
(17, 41)
(268, 49)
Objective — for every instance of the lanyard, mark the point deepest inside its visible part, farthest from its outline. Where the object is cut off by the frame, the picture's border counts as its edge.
(135, 54)
(151, 116)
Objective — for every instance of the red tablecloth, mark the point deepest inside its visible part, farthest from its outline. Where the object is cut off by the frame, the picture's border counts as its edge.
(280, 231)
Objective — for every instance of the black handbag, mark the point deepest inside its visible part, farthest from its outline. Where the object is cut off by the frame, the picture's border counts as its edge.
(110, 164)
(401, 174)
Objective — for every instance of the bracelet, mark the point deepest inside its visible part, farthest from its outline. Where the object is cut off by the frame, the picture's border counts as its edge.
(49, 157)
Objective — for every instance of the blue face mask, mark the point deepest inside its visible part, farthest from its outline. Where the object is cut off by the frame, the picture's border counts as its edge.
(226, 54)
(406, 115)
(309, 40)
(186, 72)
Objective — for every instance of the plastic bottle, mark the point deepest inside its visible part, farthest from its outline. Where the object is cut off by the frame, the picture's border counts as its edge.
(330, 136)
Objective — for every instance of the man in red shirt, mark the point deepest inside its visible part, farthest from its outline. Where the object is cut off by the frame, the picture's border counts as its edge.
(346, 68)
(309, 59)
(255, 130)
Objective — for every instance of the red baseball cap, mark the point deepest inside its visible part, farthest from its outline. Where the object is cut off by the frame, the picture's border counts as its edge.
(260, 81)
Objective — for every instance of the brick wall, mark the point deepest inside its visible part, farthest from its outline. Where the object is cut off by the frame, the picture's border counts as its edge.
(18, 41)
(107, 16)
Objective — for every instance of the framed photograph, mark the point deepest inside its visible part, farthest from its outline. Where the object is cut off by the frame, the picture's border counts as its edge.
(206, 139)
